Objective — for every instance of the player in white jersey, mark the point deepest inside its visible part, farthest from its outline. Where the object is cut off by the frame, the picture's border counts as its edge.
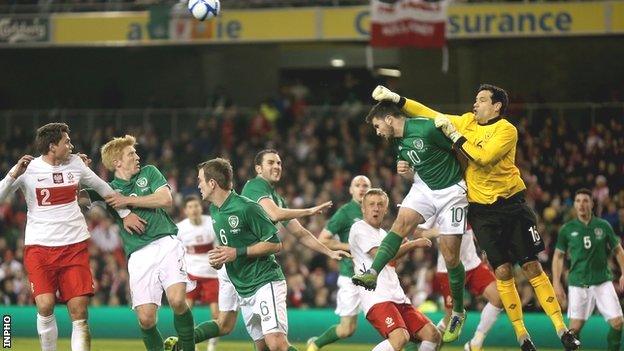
(480, 280)
(387, 308)
(56, 254)
(197, 235)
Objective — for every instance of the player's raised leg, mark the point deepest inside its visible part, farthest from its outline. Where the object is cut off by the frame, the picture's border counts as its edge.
(405, 223)
(146, 314)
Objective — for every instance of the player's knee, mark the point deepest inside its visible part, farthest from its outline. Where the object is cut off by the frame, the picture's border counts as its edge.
(345, 330)
(403, 225)
(399, 338)
(532, 269)
(178, 306)
(225, 323)
(616, 323)
(504, 272)
(147, 320)
(276, 342)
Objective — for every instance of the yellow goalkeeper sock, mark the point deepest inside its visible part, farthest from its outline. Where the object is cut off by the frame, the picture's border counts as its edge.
(513, 306)
(546, 296)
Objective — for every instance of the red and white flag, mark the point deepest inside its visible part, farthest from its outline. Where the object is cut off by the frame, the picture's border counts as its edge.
(408, 23)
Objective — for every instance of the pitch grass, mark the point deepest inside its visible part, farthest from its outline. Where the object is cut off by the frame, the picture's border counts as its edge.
(32, 344)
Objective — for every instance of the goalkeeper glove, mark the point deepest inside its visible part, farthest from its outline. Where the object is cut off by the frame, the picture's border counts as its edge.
(382, 93)
(444, 123)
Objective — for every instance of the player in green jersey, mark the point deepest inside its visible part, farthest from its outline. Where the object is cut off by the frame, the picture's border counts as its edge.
(155, 258)
(248, 241)
(336, 236)
(589, 241)
(438, 194)
(261, 190)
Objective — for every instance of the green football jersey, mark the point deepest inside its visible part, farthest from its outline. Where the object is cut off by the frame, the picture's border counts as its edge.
(429, 153)
(258, 188)
(588, 248)
(240, 222)
(159, 223)
(340, 225)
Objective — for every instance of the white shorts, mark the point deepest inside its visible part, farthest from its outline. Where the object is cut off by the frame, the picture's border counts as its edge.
(581, 301)
(265, 311)
(444, 208)
(347, 298)
(228, 297)
(154, 268)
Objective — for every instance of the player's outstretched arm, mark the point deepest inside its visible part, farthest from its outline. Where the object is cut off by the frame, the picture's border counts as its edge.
(327, 238)
(557, 270)
(278, 214)
(10, 183)
(412, 107)
(310, 241)
(161, 198)
(619, 257)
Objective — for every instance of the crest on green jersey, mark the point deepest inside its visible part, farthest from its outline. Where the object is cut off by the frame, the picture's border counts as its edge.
(598, 233)
(418, 144)
(233, 221)
(141, 182)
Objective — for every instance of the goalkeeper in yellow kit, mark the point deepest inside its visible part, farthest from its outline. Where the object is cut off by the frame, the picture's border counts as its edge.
(504, 225)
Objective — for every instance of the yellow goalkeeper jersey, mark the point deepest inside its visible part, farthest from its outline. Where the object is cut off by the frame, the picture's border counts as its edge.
(491, 151)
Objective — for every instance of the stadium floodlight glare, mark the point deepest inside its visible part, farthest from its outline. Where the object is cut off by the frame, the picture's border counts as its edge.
(337, 62)
(389, 72)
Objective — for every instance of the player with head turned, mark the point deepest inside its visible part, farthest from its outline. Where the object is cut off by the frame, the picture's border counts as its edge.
(336, 236)
(261, 189)
(56, 254)
(248, 241)
(588, 242)
(198, 237)
(438, 194)
(387, 308)
(502, 222)
(155, 258)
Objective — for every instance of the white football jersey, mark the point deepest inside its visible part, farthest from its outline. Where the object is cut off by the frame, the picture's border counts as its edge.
(54, 217)
(202, 238)
(467, 254)
(362, 238)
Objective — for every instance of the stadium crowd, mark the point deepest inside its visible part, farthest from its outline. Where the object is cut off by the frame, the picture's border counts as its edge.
(321, 149)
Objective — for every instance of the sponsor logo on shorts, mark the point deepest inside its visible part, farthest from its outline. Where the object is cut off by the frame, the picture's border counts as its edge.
(389, 322)
(57, 177)
(141, 182)
(266, 318)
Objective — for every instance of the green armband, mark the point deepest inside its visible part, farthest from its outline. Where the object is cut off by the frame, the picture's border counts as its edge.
(241, 251)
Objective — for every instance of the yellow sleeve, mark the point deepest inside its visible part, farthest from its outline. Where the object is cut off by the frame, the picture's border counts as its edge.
(416, 109)
(496, 148)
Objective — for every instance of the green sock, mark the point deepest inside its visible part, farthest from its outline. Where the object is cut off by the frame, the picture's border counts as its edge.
(292, 348)
(184, 325)
(410, 346)
(329, 336)
(206, 330)
(614, 337)
(152, 339)
(386, 251)
(457, 276)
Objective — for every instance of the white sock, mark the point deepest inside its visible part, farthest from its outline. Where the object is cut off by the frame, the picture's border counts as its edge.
(441, 325)
(383, 346)
(488, 318)
(80, 336)
(48, 332)
(212, 344)
(427, 346)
